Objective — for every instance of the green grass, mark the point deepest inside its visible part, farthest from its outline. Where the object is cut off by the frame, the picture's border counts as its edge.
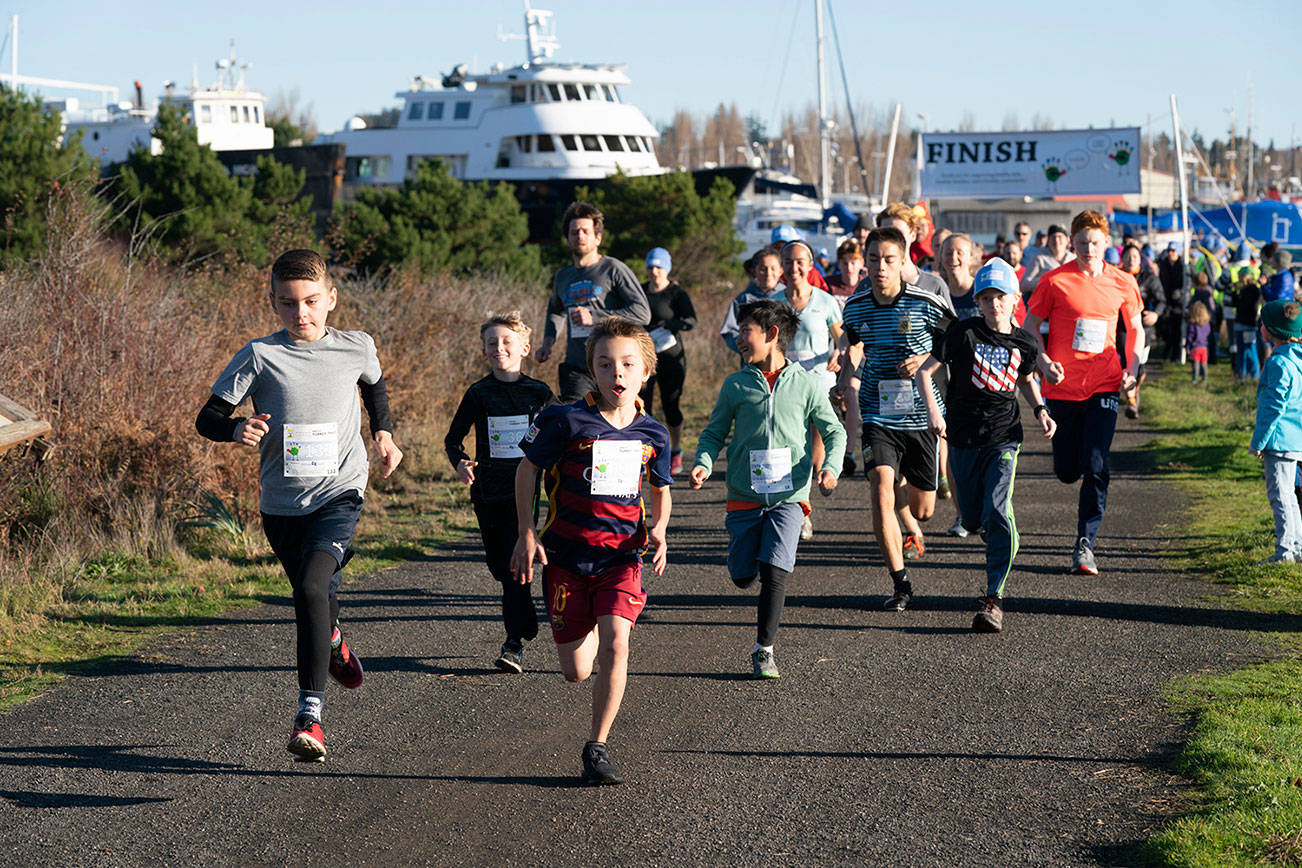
(1244, 751)
(108, 606)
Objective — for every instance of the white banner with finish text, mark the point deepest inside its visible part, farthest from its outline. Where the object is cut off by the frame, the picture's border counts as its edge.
(1043, 163)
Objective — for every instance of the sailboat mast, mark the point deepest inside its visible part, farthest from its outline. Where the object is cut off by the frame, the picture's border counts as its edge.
(824, 177)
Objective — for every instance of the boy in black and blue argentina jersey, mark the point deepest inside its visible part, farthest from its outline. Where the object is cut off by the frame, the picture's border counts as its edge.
(303, 382)
(893, 326)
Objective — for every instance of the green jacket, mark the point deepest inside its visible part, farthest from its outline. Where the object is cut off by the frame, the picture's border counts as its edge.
(761, 419)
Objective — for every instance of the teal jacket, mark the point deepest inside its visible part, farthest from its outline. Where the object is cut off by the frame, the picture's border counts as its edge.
(1279, 402)
(761, 419)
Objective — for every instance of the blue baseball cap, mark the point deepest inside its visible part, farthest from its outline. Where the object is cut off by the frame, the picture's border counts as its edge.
(996, 274)
(1147, 251)
(659, 258)
(822, 252)
(783, 233)
(1111, 256)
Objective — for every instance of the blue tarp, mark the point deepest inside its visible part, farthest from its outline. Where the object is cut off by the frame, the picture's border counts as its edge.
(844, 216)
(1263, 222)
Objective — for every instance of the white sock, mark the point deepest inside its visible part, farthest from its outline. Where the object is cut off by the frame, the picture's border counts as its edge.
(309, 705)
(759, 647)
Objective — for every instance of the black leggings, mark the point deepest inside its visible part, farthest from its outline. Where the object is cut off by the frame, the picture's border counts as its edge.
(772, 597)
(497, 528)
(671, 373)
(315, 612)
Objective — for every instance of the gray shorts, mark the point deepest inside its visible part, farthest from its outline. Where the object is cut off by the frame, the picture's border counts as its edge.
(769, 534)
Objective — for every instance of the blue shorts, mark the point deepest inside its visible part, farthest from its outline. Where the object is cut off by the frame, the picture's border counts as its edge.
(328, 529)
(769, 534)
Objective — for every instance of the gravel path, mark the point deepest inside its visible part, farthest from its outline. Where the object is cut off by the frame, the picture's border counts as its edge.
(891, 738)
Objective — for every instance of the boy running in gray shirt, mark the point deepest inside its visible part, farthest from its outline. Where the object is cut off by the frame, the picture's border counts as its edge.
(303, 382)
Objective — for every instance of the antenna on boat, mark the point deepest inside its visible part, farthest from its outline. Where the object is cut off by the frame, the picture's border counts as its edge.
(226, 68)
(539, 34)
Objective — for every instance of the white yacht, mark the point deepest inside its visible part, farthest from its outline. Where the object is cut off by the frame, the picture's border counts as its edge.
(539, 121)
(227, 115)
(773, 198)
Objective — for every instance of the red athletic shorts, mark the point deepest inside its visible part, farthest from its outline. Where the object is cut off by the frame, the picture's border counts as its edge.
(574, 602)
(1198, 354)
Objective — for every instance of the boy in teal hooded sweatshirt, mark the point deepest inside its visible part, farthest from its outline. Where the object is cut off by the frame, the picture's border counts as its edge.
(769, 405)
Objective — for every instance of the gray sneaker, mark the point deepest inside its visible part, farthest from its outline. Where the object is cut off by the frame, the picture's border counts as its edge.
(512, 657)
(1277, 559)
(598, 770)
(1082, 559)
(958, 530)
(763, 664)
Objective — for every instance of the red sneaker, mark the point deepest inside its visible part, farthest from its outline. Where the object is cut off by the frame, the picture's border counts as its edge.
(344, 665)
(676, 463)
(307, 741)
(913, 547)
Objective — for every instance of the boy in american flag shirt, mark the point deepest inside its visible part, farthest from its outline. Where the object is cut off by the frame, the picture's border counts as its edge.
(989, 359)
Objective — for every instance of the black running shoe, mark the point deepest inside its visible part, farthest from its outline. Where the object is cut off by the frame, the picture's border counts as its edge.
(899, 601)
(598, 770)
(512, 657)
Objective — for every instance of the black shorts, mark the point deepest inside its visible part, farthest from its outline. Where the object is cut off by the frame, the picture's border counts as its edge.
(911, 454)
(327, 529)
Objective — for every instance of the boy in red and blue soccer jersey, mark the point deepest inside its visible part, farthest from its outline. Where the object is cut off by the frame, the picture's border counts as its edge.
(594, 452)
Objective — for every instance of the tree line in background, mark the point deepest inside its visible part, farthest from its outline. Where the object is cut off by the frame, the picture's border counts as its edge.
(184, 206)
(727, 137)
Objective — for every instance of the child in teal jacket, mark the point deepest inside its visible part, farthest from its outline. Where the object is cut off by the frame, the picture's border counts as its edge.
(1277, 439)
(769, 405)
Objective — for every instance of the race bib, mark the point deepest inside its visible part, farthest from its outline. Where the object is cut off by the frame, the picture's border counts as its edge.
(311, 450)
(770, 470)
(1091, 335)
(579, 331)
(616, 467)
(663, 339)
(505, 434)
(895, 397)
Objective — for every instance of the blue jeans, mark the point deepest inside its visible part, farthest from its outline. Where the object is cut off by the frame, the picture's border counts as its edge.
(1281, 474)
(1080, 452)
(983, 484)
(1246, 362)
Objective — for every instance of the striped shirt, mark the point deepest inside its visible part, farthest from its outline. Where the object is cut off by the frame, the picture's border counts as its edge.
(596, 521)
(907, 326)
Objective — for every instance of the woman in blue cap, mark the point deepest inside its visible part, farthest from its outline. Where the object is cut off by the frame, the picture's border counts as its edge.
(671, 314)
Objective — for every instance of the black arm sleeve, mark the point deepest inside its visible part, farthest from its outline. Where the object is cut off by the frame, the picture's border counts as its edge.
(375, 398)
(215, 421)
(457, 431)
(684, 313)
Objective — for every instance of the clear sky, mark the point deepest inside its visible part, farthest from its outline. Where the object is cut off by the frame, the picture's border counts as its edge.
(1079, 64)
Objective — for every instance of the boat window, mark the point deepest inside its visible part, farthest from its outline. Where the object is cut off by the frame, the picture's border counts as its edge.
(257, 115)
(537, 93)
(614, 94)
(205, 114)
(546, 143)
(591, 91)
(416, 111)
(590, 143)
(572, 92)
(555, 92)
(365, 168)
(646, 143)
(524, 143)
(436, 111)
(461, 111)
(614, 143)
(519, 93)
(569, 143)
(635, 143)
(248, 119)
(235, 114)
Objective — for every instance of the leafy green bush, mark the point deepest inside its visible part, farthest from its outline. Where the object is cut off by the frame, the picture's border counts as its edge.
(434, 223)
(646, 211)
(33, 164)
(185, 198)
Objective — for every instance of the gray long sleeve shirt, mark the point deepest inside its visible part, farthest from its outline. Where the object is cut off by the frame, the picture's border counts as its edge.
(607, 288)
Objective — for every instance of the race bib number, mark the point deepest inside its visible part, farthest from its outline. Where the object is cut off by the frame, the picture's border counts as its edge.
(505, 434)
(663, 339)
(311, 450)
(770, 470)
(579, 331)
(895, 397)
(616, 467)
(1091, 335)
